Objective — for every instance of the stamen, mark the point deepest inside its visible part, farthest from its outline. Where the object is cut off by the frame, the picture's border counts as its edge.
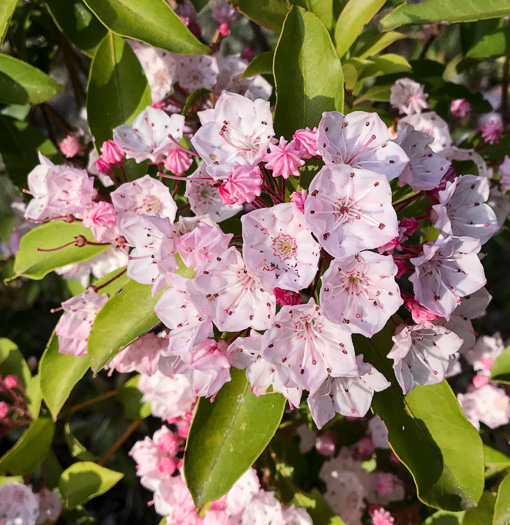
(180, 146)
(362, 149)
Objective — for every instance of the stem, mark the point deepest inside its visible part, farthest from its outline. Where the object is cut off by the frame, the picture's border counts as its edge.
(111, 451)
(76, 408)
(123, 173)
(504, 89)
(55, 249)
(111, 280)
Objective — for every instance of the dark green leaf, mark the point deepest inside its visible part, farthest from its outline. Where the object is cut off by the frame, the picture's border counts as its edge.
(267, 13)
(199, 4)
(385, 65)
(261, 65)
(31, 449)
(500, 372)
(122, 319)
(78, 24)
(76, 449)
(355, 15)
(131, 398)
(6, 9)
(85, 480)
(434, 11)
(495, 461)
(502, 508)
(19, 144)
(21, 83)
(429, 434)
(227, 436)
(483, 513)
(308, 73)
(494, 44)
(117, 89)
(35, 264)
(151, 21)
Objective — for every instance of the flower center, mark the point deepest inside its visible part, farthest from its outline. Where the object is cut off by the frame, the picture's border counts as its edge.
(284, 246)
(151, 205)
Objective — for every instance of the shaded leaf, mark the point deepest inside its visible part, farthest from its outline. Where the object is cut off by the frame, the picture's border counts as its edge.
(385, 65)
(500, 372)
(76, 449)
(261, 65)
(267, 13)
(227, 436)
(495, 461)
(131, 398)
(482, 513)
(502, 507)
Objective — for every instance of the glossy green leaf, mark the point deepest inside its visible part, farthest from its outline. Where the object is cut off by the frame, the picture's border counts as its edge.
(308, 73)
(122, 319)
(131, 398)
(435, 11)
(502, 508)
(378, 42)
(35, 264)
(385, 65)
(85, 480)
(6, 9)
(316, 506)
(199, 4)
(267, 13)
(10, 479)
(261, 65)
(494, 44)
(327, 11)
(500, 372)
(30, 450)
(429, 434)
(78, 24)
(355, 15)
(76, 449)
(117, 91)
(444, 517)
(495, 461)
(151, 21)
(227, 436)
(19, 144)
(482, 513)
(21, 83)
(59, 374)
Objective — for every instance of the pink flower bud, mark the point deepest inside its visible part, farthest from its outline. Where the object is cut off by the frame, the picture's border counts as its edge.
(305, 142)
(460, 108)
(168, 465)
(224, 29)
(402, 267)
(170, 443)
(70, 146)
(487, 363)
(479, 381)
(365, 447)
(111, 153)
(419, 312)
(183, 431)
(299, 197)
(247, 53)
(104, 167)
(3, 409)
(325, 443)
(283, 159)
(492, 129)
(100, 214)
(385, 483)
(243, 184)
(410, 224)
(11, 381)
(177, 161)
(195, 29)
(287, 298)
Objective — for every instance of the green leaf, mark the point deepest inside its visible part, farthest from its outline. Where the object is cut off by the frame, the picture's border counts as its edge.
(85, 480)
(500, 372)
(76, 449)
(35, 264)
(78, 24)
(482, 513)
(317, 507)
(59, 374)
(21, 83)
(494, 44)
(6, 9)
(502, 508)
(117, 90)
(267, 13)
(19, 144)
(151, 21)
(355, 15)
(429, 434)
(10, 479)
(308, 73)
(131, 398)
(444, 517)
(434, 11)
(31, 449)
(495, 461)
(199, 4)
(122, 319)
(328, 11)
(227, 436)
(261, 65)
(378, 42)
(13, 362)
(385, 65)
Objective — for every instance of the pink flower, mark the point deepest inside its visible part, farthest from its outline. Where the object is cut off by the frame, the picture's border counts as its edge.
(243, 184)
(460, 107)
(492, 128)
(247, 53)
(99, 214)
(299, 198)
(283, 159)
(224, 13)
(70, 146)
(18, 504)
(50, 506)
(4, 409)
(285, 297)
(431, 124)
(10, 381)
(177, 161)
(408, 96)
(401, 266)
(418, 312)
(488, 404)
(279, 248)
(480, 381)
(504, 174)
(111, 153)
(409, 224)
(224, 29)
(365, 447)
(305, 143)
(381, 517)
(385, 483)
(325, 443)
(74, 326)
(104, 167)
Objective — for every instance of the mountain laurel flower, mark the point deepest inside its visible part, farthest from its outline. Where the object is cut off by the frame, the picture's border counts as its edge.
(350, 210)
(460, 107)
(283, 159)
(74, 326)
(177, 161)
(279, 248)
(299, 198)
(431, 124)
(360, 140)
(421, 354)
(243, 184)
(18, 504)
(305, 143)
(70, 146)
(285, 297)
(492, 128)
(504, 174)
(408, 96)
(111, 153)
(360, 292)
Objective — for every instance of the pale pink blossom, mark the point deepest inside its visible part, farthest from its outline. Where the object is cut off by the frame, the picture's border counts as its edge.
(418, 312)
(431, 124)
(224, 13)
(421, 354)
(4, 409)
(177, 161)
(484, 353)
(381, 517)
(360, 292)
(149, 136)
(365, 447)
(173, 500)
(492, 128)
(325, 443)
(18, 504)
(101, 218)
(243, 184)
(50, 506)
(305, 347)
(378, 432)
(74, 326)
(479, 381)
(299, 198)
(279, 248)
(146, 196)
(70, 146)
(350, 210)
(408, 96)
(489, 405)
(196, 72)
(111, 153)
(460, 107)
(233, 297)
(305, 143)
(504, 174)
(360, 140)
(283, 159)
(448, 270)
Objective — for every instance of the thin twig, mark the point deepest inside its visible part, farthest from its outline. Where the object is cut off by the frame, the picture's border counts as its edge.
(111, 451)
